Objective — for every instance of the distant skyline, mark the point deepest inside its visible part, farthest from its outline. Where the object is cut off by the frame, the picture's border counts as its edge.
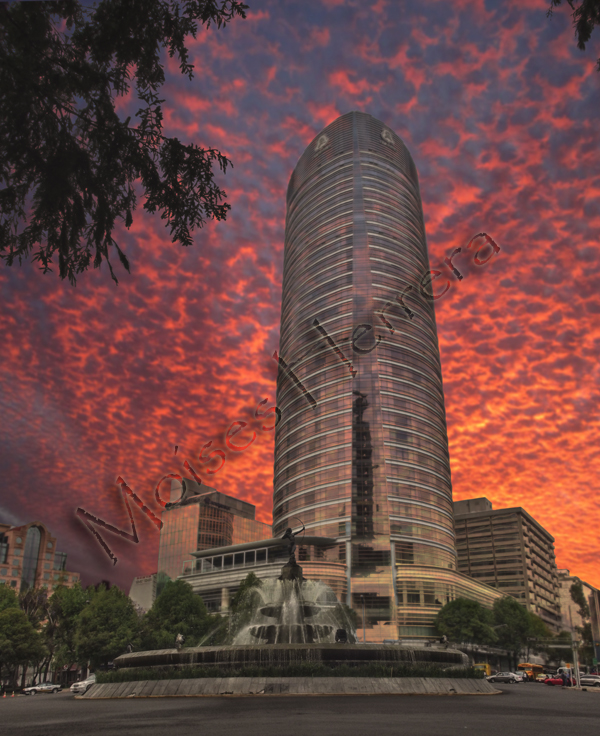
(499, 110)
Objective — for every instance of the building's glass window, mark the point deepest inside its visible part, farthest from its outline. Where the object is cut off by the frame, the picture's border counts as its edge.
(19, 540)
(30, 562)
(60, 560)
(49, 545)
(3, 571)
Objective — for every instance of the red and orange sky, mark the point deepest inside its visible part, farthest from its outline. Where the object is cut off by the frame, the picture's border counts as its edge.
(499, 110)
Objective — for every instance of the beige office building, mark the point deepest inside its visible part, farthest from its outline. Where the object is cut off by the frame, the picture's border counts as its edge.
(509, 550)
(29, 558)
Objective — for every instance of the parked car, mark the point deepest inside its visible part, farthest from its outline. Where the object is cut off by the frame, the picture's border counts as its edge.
(42, 687)
(590, 680)
(509, 677)
(542, 677)
(83, 685)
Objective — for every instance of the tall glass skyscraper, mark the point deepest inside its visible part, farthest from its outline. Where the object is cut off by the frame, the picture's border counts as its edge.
(361, 451)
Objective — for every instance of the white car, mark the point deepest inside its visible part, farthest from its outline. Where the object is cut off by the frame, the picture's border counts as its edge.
(81, 687)
(42, 687)
(509, 677)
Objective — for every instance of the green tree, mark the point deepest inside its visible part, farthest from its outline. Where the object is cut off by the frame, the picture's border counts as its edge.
(463, 620)
(244, 604)
(586, 650)
(512, 623)
(555, 655)
(20, 643)
(586, 15)
(34, 603)
(68, 162)
(537, 630)
(177, 610)
(8, 598)
(578, 597)
(64, 607)
(106, 625)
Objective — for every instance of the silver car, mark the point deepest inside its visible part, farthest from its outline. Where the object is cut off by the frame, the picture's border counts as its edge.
(82, 687)
(509, 677)
(42, 687)
(590, 680)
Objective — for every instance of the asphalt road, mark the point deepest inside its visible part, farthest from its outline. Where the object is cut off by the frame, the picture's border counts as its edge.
(525, 708)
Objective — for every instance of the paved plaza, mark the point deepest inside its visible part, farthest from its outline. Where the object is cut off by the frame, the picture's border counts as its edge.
(531, 708)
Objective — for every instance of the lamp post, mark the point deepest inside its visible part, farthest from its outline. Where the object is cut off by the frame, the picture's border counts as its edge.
(364, 620)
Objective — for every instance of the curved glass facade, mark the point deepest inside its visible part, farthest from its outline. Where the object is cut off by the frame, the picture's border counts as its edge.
(361, 454)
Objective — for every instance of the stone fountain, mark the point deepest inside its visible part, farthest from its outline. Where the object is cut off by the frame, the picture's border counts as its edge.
(293, 610)
(294, 620)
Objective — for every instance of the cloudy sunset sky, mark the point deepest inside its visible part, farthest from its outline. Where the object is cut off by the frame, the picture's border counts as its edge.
(499, 110)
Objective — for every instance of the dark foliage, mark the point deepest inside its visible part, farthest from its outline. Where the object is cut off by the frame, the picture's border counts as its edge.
(68, 163)
(463, 620)
(177, 610)
(586, 15)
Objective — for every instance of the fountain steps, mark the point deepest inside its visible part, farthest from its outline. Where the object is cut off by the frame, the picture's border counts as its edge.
(246, 686)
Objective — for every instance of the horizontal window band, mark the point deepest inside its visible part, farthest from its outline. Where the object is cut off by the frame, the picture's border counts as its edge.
(410, 430)
(426, 542)
(422, 522)
(312, 489)
(344, 500)
(312, 472)
(420, 487)
(311, 439)
(317, 453)
(421, 451)
(421, 468)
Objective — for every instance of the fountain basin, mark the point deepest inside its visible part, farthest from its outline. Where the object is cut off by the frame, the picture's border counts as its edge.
(283, 655)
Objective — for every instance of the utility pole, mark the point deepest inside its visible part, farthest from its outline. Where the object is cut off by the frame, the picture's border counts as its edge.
(575, 653)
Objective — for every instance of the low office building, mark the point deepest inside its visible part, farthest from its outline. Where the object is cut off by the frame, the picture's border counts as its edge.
(29, 558)
(196, 518)
(199, 517)
(509, 550)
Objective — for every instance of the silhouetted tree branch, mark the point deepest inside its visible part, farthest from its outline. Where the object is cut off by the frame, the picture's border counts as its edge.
(68, 163)
(586, 15)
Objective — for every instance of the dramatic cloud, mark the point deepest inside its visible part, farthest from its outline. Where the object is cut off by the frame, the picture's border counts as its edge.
(499, 110)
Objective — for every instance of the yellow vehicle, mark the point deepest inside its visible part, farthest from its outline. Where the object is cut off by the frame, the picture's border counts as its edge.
(483, 667)
(533, 670)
